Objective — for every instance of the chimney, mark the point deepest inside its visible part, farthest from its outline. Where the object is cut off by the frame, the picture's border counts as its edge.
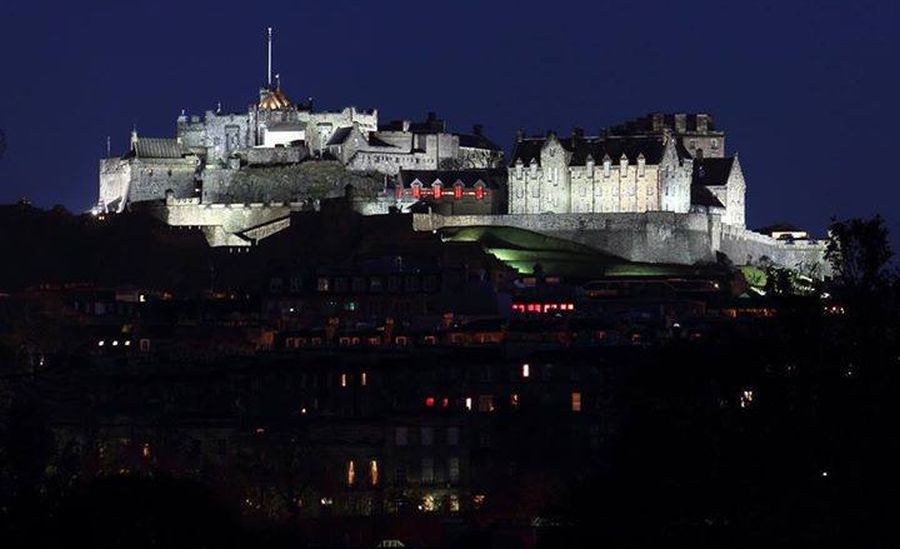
(405, 124)
(680, 123)
(702, 122)
(477, 129)
(657, 121)
(577, 133)
(520, 134)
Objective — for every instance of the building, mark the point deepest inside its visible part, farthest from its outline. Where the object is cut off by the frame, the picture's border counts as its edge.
(404, 145)
(582, 174)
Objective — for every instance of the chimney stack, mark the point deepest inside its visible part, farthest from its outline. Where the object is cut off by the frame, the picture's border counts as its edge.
(702, 122)
(577, 133)
(520, 134)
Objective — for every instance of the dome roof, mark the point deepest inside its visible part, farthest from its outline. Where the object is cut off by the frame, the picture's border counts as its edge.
(273, 100)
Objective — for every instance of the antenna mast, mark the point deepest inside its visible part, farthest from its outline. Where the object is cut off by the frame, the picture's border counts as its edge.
(269, 72)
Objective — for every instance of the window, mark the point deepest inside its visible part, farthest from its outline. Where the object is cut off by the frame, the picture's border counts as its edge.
(351, 473)
(401, 435)
(427, 470)
(363, 379)
(373, 472)
(437, 189)
(479, 192)
(322, 284)
(417, 190)
(427, 436)
(452, 436)
(526, 370)
(457, 191)
(343, 380)
(714, 143)
(514, 401)
(576, 401)
(485, 403)
(453, 469)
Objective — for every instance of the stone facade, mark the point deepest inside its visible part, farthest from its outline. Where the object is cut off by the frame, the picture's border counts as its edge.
(651, 237)
(598, 175)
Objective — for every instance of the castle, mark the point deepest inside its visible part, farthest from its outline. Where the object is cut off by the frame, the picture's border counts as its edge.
(660, 188)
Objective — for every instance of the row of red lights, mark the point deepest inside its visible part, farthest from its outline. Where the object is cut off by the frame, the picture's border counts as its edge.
(542, 307)
(437, 192)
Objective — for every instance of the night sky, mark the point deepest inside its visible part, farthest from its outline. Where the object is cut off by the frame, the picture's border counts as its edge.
(807, 91)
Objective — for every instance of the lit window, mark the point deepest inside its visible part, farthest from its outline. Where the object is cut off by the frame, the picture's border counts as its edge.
(468, 403)
(454, 503)
(445, 402)
(479, 192)
(526, 370)
(416, 190)
(514, 401)
(429, 402)
(100, 343)
(576, 402)
(351, 473)
(322, 284)
(343, 380)
(373, 472)
(457, 191)
(363, 379)
(437, 189)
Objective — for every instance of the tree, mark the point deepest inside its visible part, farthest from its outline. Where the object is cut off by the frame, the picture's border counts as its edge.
(859, 253)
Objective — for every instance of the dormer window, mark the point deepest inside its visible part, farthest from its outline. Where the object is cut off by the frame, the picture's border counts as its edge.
(437, 189)
(416, 189)
(479, 191)
(458, 190)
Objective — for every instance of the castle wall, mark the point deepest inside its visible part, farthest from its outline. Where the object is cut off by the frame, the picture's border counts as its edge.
(115, 177)
(745, 247)
(307, 181)
(151, 178)
(654, 237)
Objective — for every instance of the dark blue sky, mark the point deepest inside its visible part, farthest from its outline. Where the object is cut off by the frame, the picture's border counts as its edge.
(807, 91)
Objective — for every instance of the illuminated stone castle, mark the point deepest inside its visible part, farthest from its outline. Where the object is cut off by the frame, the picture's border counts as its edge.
(659, 188)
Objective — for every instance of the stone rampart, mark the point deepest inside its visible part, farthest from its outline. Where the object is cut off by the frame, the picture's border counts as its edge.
(653, 237)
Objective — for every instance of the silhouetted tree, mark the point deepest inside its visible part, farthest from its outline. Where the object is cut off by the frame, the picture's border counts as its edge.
(859, 252)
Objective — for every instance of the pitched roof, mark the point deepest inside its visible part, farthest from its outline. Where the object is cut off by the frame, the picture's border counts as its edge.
(159, 147)
(701, 196)
(651, 147)
(711, 171)
(339, 136)
(493, 178)
(474, 141)
(286, 127)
